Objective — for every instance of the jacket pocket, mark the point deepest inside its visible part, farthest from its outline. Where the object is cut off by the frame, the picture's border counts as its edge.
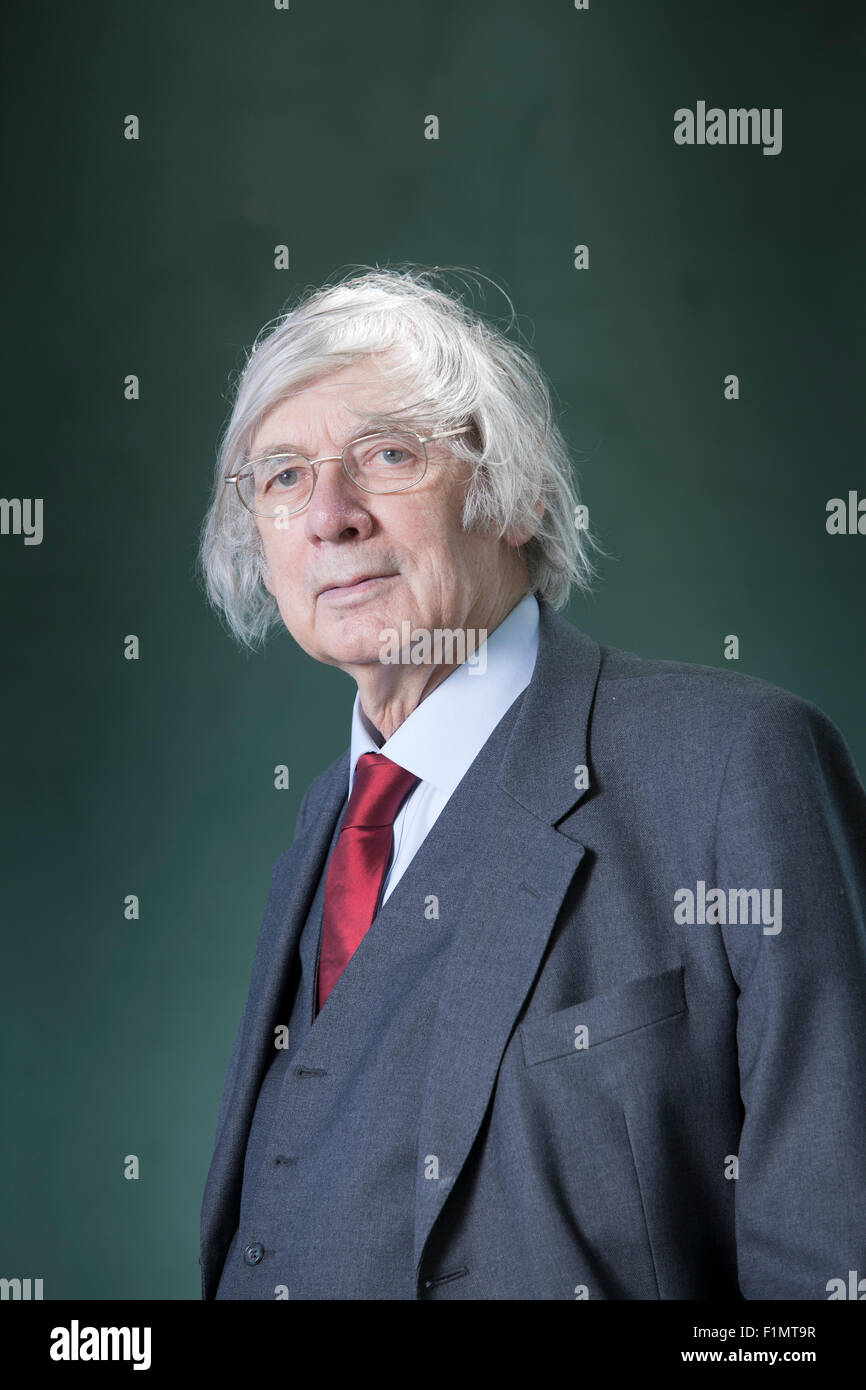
(581, 1027)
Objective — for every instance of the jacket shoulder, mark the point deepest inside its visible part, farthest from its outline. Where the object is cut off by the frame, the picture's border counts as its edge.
(652, 707)
(674, 687)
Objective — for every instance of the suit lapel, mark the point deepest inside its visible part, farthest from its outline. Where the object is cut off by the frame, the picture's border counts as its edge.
(524, 868)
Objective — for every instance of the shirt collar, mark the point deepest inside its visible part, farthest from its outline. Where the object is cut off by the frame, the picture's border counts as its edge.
(445, 733)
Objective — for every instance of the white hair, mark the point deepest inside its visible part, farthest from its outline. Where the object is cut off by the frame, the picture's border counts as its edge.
(466, 372)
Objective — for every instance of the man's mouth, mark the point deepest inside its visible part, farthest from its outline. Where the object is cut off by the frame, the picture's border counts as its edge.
(361, 584)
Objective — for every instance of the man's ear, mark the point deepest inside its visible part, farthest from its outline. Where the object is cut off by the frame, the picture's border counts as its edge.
(519, 535)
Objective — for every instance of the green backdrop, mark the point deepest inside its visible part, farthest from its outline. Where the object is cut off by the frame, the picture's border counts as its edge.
(305, 126)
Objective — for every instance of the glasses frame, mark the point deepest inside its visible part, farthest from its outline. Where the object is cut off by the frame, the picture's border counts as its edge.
(423, 440)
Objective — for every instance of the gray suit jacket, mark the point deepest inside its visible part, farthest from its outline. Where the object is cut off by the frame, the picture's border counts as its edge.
(627, 1103)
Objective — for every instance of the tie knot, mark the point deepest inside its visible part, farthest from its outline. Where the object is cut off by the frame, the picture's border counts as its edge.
(379, 789)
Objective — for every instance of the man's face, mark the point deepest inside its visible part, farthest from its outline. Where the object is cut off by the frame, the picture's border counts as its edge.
(428, 571)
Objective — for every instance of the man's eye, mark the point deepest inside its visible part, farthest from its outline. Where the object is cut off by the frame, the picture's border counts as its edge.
(281, 479)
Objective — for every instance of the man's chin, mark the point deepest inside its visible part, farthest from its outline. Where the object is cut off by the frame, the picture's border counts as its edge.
(355, 641)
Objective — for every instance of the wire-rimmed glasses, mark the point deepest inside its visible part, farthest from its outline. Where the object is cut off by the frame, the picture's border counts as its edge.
(279, 485)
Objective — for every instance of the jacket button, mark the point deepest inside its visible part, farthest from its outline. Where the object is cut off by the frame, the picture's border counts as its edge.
(253, 1254)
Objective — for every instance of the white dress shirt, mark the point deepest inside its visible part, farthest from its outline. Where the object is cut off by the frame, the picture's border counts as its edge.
(445, 733)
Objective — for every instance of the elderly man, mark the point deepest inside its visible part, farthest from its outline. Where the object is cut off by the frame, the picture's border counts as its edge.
(561, 987)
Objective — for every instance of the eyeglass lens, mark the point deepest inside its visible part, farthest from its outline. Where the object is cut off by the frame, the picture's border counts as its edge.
(383, 463)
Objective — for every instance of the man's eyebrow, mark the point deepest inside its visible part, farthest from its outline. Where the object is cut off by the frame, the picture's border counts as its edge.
(269, 450)
(372, 424)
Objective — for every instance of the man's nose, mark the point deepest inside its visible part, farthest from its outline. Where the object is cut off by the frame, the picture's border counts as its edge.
(336, 501)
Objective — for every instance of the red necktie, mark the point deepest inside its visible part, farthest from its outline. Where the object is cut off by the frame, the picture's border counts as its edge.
(359, 862)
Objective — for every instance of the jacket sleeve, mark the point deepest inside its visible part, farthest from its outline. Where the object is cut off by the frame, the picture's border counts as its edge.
(234, 1059)
(792, 820)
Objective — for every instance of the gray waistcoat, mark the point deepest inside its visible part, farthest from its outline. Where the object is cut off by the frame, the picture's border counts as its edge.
(327, 1203)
